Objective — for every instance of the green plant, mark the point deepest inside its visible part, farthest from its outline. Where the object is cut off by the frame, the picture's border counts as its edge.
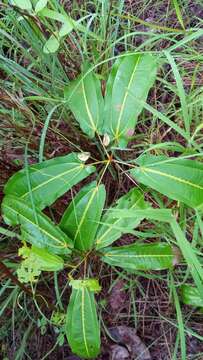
(87, 229)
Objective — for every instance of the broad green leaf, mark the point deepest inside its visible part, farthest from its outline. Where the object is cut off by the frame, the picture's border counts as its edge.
(156, 256)
(22, 4)
(191, 296)
(82, 325)
(36, 260)
(40, 5)
(48, 180)
(36, 227)
(130, 81)
(81, 219)
(52, 44)
(112, 228)
(176, 178)
(85, 100)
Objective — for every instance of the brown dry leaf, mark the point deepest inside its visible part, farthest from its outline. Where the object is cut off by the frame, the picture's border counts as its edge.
(118, 296)
(119, 353)
(125, 335)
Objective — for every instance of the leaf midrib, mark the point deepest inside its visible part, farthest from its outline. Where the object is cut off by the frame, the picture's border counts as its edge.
(173, 177)
(41, 229)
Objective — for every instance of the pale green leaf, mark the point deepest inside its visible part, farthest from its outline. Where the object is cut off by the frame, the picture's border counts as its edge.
(36, 260)
(155, 256)
(82, 325)
(130, 80)
(48, 180)
(52, 44)
(91, 284)
(81, 219)
(22, 4)
(36, 227)
(176, 178)
(40, 5)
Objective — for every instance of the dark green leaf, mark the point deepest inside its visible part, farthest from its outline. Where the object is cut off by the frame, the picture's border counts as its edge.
(82, 326)
(81, 219)
(156, 256)
(48, 180)
(85, 100)
(178, 179)
(130, 81)
(191, 296)
(36, 227)
(112, 228)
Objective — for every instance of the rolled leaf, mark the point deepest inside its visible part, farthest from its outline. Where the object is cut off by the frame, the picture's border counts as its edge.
(36, 227)
(178, 179)
(48, 180)
(130, 80)
(81, 219)
(85, 100)
(191, 296)
(82, 325)
(112, 228)
(156, 256)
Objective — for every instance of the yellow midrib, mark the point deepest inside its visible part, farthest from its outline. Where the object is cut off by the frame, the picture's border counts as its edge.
(52, 179)
(173, 177)
(125, 98)
(83, 320)
(110, 227)
(93, 127)
(41, 229)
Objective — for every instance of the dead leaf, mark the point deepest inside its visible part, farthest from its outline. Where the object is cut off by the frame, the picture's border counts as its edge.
(119, 353)
(118, 296)
(127, 336)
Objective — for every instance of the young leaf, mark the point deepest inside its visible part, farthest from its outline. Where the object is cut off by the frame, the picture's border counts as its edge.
(112, 228)
(85, 100)
(81, 219)
(156, 256)
(36, 260)
(36, 227)
(130, 80)
(48, 180)
(178, 179)
(52, 44)
(191, 296)
(82, 326)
